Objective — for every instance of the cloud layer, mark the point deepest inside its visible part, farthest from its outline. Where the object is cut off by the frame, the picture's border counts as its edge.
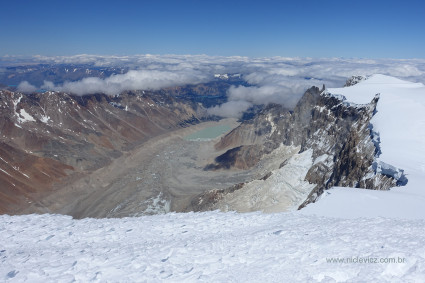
(132, 80)
(277, 79)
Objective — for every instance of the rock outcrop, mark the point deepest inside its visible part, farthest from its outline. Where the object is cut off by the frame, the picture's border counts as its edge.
(355, 80)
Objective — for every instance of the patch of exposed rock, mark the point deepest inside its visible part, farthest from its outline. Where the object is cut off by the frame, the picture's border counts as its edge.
(355, 80)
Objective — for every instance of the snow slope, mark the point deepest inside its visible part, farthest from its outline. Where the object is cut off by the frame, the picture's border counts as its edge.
(211, 247)
(400, 122)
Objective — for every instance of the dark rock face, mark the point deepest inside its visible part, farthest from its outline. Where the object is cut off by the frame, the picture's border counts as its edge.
(354, 80)
(347, 143)
(241, 157)
(340, 135)
(45, 137)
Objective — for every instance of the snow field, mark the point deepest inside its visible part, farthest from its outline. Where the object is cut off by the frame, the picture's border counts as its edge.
(212, 247)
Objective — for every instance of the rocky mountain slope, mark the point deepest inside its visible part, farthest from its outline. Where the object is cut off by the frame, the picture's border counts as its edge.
(47, 137)
(324, 142)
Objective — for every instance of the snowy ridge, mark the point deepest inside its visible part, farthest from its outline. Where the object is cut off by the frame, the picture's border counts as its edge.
(378, 165)
(212, 247)
(397, 131)
(346, 102)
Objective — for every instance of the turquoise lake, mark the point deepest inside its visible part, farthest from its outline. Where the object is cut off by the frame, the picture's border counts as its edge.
(209, 133)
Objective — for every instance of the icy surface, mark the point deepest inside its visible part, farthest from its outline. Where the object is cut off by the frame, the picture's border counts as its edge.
(285, 189)
(211, 247)
(400, 124)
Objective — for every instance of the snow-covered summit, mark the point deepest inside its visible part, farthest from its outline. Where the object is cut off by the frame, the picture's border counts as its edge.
(399, 121)
(361, 92)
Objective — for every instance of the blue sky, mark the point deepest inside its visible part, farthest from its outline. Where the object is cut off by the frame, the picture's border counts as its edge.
(350, 29)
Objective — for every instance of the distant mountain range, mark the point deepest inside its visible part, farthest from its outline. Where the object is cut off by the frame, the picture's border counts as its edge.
(37, 74)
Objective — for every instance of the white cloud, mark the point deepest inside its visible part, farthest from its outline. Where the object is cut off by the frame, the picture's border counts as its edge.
(48, 85)
(232, 109)
(266, 94)
(135, 79)
(26, 87)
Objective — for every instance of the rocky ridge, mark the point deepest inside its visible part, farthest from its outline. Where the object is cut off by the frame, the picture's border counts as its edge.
(334, 139)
